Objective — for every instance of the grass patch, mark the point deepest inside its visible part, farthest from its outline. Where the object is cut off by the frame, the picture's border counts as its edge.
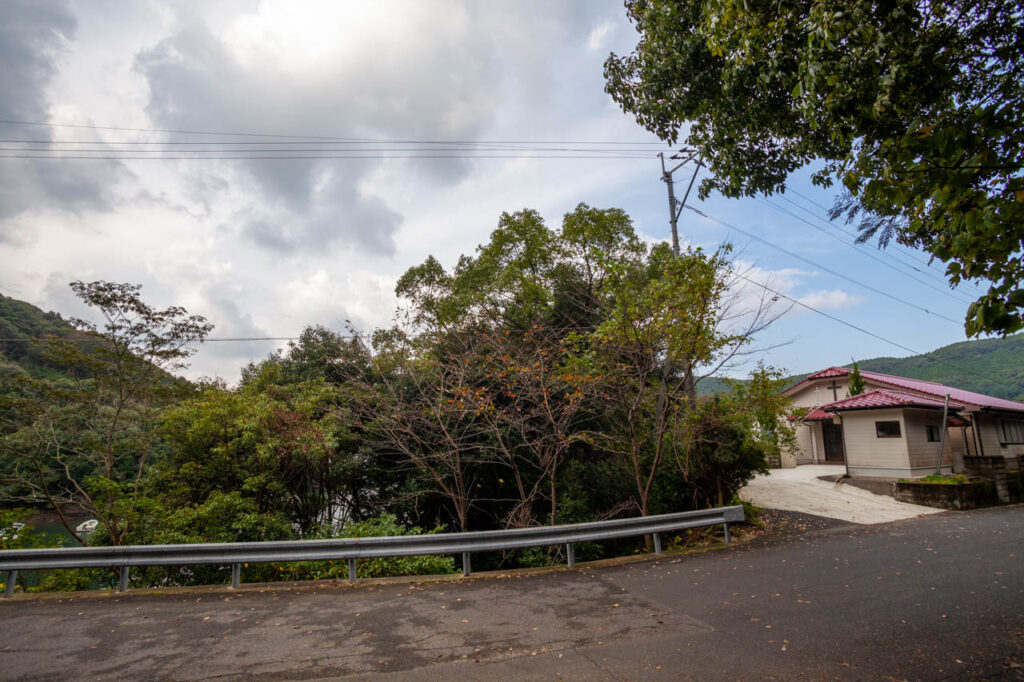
(938, 479)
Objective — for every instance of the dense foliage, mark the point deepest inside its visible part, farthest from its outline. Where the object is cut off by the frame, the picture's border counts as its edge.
(550, 377)
(914, 107)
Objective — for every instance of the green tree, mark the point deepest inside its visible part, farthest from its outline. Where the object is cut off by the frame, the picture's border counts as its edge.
(88, 440)
(488, 392)
(856, 381)
(914, 107)
(285, 448)
(664, 323)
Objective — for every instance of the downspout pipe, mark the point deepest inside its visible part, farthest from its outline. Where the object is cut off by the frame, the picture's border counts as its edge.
(978, 444)
(842, 431)
(943, 430)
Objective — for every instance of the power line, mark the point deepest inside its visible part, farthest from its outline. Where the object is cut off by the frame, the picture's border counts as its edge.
(822, 267)
(910, 255)
(945, 292)
(909, 258)
(468, 151)
(29, 339)
(293, 157)
(510, 144)
(862, 330)
(936, 277)
(311, 137)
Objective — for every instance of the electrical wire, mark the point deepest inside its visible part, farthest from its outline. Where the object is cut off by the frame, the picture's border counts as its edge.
(311, 157)
(935, 277)
(945, 292)
(872, 334)
(909, 255)
(822, 267)
(313, 137)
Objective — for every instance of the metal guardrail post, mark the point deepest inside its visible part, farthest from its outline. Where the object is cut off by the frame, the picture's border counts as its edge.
(351, 570)
(465, 565)
(657, 543)
(122, 585)
(236, 575)
(570, 555)
(12, 579)
(728, 538)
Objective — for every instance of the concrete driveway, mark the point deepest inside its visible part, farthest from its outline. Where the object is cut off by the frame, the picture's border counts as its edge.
(801, 490)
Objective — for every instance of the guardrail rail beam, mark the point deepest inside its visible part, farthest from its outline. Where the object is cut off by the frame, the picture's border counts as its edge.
(234, 554)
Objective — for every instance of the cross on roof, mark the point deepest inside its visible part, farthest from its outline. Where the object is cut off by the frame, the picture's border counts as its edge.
(835, 390)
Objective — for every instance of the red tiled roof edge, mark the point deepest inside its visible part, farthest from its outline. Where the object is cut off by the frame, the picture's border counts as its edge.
(881, 398)
(920, 385)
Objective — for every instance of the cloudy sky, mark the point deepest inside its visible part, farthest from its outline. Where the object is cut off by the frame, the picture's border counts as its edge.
(263, 247)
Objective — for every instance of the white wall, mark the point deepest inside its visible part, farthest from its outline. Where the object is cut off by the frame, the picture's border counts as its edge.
(869, 455)
(923, 454)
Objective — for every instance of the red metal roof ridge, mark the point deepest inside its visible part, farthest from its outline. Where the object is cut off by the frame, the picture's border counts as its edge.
(868, 399)
(973, 398)
(989, 401)
(864, 372)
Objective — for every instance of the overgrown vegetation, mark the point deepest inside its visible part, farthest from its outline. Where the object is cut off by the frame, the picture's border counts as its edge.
(550, 377)
(939, 479)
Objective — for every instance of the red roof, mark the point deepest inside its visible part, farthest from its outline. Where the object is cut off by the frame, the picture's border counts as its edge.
(829, 373)
(881, 397)
(930, 388)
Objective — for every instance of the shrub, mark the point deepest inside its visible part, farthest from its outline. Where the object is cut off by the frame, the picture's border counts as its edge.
(380, 526)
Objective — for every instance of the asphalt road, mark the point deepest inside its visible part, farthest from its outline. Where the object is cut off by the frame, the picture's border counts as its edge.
(939, 597)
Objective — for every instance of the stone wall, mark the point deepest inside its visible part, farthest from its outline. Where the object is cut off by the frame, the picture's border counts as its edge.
(1007, 479)
(958, 496)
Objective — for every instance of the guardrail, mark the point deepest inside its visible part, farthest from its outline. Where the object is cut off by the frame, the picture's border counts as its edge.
(238, 553)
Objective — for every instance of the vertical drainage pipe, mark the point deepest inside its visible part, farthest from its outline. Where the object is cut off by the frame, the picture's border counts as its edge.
(943, 430)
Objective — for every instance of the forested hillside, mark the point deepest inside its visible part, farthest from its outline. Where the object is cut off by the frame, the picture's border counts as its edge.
(20, 324)
(991, 366)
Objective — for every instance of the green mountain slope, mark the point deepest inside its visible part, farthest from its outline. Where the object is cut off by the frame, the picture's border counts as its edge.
(20, 323)
(991, 366)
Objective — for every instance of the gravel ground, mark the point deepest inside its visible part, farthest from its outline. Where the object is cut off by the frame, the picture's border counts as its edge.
(801, 490)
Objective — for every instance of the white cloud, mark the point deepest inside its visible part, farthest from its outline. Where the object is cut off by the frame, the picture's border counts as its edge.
(264, 248)
(597, 41)
(834, 299)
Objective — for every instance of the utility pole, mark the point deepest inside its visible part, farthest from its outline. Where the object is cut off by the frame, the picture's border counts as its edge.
(675, 207)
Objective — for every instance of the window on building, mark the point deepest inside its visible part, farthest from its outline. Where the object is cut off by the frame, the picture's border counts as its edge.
(934, 436)
(887, 429)
(1011, 430)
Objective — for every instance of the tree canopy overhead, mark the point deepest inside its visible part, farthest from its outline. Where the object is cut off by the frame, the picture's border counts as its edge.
(915, 108)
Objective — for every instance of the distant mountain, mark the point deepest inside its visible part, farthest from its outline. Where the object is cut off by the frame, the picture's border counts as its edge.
(20, 324)
(991, 366)
(713, 385)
